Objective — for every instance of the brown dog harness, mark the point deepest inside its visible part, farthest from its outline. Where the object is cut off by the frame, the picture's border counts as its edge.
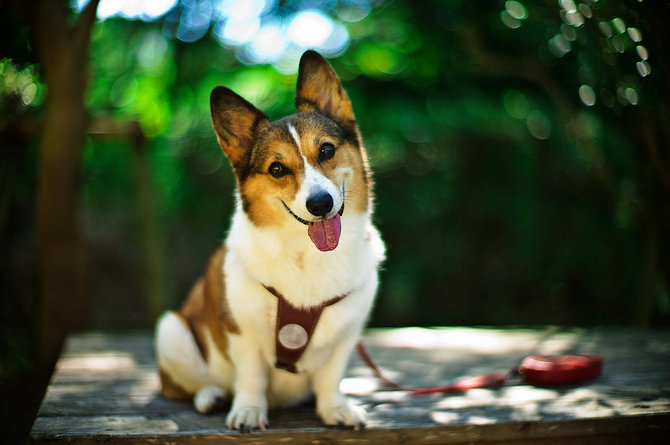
(294, 329)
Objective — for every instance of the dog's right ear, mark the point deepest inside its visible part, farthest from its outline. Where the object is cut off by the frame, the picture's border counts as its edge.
(235, 122)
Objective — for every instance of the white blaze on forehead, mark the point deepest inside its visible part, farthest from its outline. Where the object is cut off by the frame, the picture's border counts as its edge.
(312, 182)
(294, 133)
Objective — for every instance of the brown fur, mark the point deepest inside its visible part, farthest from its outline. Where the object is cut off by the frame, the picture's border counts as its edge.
(347, 154)
(280, 196)
(320, 90)
(252, 143)
(171, 390)
(235, 121)
(259, 192)
(205, 308)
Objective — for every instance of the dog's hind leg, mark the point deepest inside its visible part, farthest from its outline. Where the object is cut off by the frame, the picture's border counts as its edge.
(183, 371)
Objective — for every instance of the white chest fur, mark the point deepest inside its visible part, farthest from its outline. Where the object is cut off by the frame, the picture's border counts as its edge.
(289, 262)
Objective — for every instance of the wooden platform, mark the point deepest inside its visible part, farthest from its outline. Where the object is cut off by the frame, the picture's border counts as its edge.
(105, 389)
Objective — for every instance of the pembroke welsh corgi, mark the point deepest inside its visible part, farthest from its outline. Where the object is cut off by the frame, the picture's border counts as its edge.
(283, 302)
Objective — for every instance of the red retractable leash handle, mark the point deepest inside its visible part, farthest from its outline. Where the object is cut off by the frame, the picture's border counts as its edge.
(561, 369)
(542, 370)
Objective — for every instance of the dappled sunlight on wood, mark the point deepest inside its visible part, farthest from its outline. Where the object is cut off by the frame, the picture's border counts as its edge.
(99, 362)
(106, 385)
(359, 386)
(472, 340)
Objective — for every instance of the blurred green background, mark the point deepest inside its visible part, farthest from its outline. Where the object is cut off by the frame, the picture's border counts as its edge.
(520, 149)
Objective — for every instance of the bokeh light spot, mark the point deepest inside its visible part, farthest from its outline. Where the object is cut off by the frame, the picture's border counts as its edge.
(516, 10)
(28, 93)
(605, 29)
(642, 52)
(643, 68)
(568, 5)
(254, 28)
(268, 45)
(354, 12)
(194, 22)
(573, 18)
(570, 14)
(240, 10)
(619, 25)
(309, 28)
(123, 91)
(635, 34)
(559, 45)
(378, 60)
(587, 95)
(254, 85)
(152, 9)
(152, 51)
(585, 10)
(631, 96)
(617, 44)
(516, 104)
(569, 32)
(147, 10)
(509, 21)
(234, 33)
(538, 125)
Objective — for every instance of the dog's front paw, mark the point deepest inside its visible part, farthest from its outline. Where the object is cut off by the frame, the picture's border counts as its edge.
(347, 414)
(247, 418)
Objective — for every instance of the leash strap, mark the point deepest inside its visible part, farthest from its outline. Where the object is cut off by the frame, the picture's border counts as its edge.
(536, 369)
(495, 380)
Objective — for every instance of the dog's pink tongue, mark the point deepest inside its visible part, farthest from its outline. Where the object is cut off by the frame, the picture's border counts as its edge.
(325, 234)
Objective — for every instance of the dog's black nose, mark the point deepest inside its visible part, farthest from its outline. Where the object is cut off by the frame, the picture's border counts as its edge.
(320, 204)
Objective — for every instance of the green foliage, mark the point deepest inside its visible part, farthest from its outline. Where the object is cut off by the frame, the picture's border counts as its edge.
(513, 182)
(520, 151)
(502, 197)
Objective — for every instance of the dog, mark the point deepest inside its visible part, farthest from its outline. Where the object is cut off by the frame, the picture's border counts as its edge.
(284, 300)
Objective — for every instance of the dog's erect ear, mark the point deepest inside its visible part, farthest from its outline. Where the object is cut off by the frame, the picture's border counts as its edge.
(319, 89)
(235, 122)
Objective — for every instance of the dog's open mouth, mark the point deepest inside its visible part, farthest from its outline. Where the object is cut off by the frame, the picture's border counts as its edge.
(325, 234)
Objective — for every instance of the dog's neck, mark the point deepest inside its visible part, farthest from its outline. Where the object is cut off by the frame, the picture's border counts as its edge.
(285, 258)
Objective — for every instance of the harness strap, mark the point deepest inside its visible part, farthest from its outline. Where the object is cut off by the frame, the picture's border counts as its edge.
(294, 329)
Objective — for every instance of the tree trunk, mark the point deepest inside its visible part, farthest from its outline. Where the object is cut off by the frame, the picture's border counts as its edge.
(62, 49)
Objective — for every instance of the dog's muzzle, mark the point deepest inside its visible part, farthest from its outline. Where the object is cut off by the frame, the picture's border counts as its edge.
(324, 232)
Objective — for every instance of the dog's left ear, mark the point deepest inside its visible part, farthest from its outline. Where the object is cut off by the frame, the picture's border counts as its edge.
(319, 89)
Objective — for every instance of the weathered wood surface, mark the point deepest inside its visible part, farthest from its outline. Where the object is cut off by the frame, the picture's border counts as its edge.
(105, 389)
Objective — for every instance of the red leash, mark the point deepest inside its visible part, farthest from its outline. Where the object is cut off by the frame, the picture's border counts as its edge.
(536, 369)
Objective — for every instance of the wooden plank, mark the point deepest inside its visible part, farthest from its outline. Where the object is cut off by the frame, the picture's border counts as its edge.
(105, 387)
(140, 429)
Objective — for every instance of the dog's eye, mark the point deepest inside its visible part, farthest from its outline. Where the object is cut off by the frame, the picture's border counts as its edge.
(277, 169)
(326, 151)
